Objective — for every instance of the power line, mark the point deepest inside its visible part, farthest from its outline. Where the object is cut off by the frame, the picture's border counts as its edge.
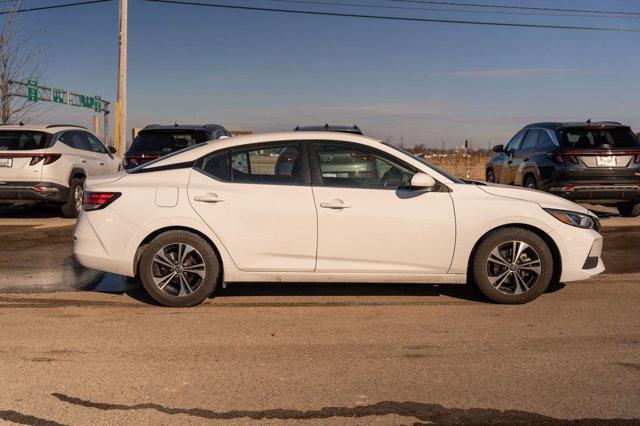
(54, 6)
(435, 9)
(501, 6)
(394, 18)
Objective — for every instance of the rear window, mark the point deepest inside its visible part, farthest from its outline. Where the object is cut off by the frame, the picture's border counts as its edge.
(23, 141)
(599, 138)
(166, 142)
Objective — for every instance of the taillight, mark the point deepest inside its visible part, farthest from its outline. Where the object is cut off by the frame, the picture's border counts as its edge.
(98, 200)
(48, 159)
(362, 156)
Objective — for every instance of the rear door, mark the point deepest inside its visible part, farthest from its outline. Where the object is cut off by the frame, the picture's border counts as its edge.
(368, 219)
(106, 162)
(258, 201)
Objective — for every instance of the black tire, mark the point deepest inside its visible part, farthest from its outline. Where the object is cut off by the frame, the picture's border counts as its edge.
(490, 176)
(629, 209)
(530, 182)
(483, 272)
(151, 271)
(72, 207)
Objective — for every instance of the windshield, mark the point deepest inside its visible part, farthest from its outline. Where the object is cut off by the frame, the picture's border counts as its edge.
(11, 140)
(444, 173)
(166, 141)
(599, 138)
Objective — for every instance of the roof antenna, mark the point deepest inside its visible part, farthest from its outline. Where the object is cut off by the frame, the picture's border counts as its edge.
(589, 121)
(21, 124)
(326, 126)
(175, 124)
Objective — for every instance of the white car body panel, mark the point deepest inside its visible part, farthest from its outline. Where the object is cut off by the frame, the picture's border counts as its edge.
(266, 232)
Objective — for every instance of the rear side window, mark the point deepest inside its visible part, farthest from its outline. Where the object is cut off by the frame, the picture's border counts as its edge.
(166, 141)
(531, 140)
(77, 140)
(23, 141)
(599, 138)
(260, 164)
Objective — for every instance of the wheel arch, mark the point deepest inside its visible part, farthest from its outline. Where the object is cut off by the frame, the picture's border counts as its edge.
(555, 251)
(77, 173)
(154, 234)
(530, 171)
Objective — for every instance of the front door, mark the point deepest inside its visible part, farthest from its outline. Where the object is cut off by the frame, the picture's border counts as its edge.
(259, 204)
(510, 165)
(368, 218)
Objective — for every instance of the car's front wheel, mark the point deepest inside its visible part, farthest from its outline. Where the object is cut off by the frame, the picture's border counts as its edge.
(629, 209)
(512, 265)
(490, 176)
(179, 268)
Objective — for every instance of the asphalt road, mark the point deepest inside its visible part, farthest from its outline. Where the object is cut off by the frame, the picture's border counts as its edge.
(80, 347)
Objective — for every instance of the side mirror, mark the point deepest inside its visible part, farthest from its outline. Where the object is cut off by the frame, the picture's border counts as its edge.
(422, 182)
(111, 150)
(498, 148)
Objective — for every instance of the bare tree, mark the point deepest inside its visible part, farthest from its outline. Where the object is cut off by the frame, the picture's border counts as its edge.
(21, 59)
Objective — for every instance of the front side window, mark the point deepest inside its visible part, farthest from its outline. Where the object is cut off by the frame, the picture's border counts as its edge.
(96, 145)
(355, 167)
(515, 142)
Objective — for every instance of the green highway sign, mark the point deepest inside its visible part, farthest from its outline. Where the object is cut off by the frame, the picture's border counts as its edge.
(97, 104)
(57, 96)
(32, 90)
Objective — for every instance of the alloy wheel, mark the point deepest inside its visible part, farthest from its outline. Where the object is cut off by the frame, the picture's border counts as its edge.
(513, 267)
(178, 269)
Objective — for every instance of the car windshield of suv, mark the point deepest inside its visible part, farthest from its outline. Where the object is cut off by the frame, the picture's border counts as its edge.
(11, 140)
(167, 141)
(599, 138)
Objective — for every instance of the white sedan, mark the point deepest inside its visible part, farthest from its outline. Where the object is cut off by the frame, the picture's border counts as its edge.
(326, 207)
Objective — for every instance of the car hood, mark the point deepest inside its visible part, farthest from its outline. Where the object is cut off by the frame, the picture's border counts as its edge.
(544, 199)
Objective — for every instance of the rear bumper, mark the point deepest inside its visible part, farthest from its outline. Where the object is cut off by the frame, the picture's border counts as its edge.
(597, 192)
(13, 192)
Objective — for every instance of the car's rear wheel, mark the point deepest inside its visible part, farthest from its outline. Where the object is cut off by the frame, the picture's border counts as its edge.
(179, 268)
(73, 206)
(530, 182)
(490, 177)
(629, 209)
(512, 265)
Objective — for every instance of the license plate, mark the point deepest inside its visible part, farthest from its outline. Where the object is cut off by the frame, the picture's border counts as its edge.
(6, 162)
(606, 161)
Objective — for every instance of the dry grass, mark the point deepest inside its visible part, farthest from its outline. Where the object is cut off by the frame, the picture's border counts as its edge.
(472, 167)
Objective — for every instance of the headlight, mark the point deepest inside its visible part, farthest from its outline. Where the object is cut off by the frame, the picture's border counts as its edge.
(575, 219)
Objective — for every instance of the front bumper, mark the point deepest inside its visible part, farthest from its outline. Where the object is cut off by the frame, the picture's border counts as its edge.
(580, 251)
(47, 192)
(597, 192)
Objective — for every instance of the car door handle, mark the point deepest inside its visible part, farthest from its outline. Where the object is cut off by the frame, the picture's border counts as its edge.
(334, 204)
(208, 198)
(101, 163)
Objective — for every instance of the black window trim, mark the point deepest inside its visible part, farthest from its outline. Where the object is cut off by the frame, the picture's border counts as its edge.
(316, 172)
(305, 177)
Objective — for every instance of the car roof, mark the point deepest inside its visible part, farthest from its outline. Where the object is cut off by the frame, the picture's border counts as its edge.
(329, 128)
(567, 124)
(205, 127)
(51, 128)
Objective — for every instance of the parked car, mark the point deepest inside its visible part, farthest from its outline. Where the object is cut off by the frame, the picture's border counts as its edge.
(191, 220)
(329, 128)
(594, 162)
(155, 140)
(49, 164)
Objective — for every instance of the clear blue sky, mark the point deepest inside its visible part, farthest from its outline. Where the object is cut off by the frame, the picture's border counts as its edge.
(426, 83)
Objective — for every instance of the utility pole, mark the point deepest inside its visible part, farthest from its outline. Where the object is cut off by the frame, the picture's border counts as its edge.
(120, 134)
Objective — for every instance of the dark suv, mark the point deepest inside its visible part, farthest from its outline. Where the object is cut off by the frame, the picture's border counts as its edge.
(596, 163)
(155, 141)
